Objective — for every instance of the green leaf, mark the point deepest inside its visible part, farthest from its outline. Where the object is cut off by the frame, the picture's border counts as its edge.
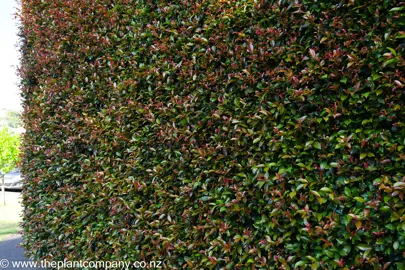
(392, 51)
(328, 253)
(324, 165)
(300, 263)
(345, 251)
(311, 258)
(348, 192)
(400, 266)
(230, 265)
(334, 164)
(385, 208)
(363, 155)
(325, 189)
(363, 247)
(396, 9)
(389, 62)
(315, 193)
(271, 164)
(317, 145)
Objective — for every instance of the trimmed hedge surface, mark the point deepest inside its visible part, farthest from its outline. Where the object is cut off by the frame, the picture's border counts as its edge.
(209, 134)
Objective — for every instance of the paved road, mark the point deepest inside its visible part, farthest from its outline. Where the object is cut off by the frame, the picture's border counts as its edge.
(9, 247)
(10, 252)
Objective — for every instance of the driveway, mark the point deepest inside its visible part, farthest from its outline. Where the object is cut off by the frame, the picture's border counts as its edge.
(10, 251)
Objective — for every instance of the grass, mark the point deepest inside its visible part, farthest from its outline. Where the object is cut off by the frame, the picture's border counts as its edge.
(8, 228)
(9, 215)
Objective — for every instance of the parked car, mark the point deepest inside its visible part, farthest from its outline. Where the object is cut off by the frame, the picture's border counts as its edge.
(12, 181)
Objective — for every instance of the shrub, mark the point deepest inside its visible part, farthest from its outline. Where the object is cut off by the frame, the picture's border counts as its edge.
(210, 134)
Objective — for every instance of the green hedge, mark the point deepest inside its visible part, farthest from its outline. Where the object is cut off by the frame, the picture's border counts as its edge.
(249, 134)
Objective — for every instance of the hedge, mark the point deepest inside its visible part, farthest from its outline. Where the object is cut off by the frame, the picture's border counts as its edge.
(215, 134)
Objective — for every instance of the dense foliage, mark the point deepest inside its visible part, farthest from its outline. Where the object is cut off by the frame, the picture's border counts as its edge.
(209, 134)
(9, 150)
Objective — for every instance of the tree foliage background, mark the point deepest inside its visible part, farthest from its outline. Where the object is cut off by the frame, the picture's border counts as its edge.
(9, 150)
(12, 119)
(210, 134)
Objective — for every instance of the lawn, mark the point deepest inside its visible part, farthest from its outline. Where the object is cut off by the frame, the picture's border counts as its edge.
(10, 214)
